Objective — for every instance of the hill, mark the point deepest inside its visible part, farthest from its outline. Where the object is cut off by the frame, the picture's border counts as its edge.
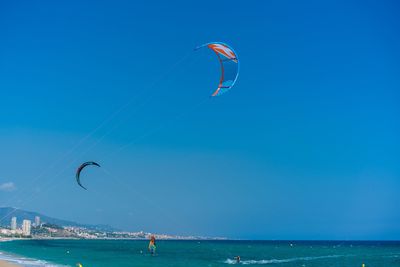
(6, 213)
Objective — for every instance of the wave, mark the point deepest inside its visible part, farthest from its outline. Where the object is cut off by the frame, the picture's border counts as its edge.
(27, 262)
(275, 261)
(392, 256)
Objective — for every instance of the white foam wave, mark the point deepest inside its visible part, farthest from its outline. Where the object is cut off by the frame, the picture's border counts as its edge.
(27, 262)
(275, 261)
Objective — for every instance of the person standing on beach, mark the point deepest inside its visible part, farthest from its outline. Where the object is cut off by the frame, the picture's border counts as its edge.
(152, 245)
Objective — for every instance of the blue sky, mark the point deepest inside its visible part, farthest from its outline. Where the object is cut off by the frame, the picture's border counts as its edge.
(304, 146)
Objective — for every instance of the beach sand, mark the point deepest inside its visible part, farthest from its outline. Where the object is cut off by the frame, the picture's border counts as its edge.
(7, 264)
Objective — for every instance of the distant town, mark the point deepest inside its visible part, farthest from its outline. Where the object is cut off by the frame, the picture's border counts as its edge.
(42, 230)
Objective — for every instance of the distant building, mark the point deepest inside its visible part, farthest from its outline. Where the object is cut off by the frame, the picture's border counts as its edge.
(26, 227)
(14, 223)
(37, 221)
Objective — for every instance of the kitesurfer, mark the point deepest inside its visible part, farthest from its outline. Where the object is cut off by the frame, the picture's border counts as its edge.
(237, 259)
(152, 245)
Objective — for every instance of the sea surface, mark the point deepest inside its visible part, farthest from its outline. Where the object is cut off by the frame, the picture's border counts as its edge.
(122, 253)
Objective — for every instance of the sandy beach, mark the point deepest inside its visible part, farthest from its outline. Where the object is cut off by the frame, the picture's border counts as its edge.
(4, 263)
(7, 264)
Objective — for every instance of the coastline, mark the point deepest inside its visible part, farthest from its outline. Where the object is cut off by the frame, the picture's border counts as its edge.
(4, 263)
(10, 260)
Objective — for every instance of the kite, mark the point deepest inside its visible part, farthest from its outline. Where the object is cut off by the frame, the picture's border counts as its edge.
(229, 66)
(78, 172)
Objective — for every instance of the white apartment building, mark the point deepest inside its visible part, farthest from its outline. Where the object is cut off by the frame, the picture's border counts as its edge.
(14, 223)
(37, 221)
(26, 227)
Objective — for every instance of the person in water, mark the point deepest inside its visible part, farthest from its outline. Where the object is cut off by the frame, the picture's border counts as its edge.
(237, 259)
(152, 245)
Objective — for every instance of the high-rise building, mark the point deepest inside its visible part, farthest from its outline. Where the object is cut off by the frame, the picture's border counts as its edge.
(37, 221)
(26, 227)
(14, 223)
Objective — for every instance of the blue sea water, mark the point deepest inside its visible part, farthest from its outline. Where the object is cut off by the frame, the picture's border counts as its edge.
(103, 253)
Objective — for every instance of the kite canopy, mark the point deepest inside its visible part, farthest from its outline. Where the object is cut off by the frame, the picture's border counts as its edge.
(229, 66)
(78, 172)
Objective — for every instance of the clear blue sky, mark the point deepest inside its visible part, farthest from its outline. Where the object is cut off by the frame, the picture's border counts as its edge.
(306, 145)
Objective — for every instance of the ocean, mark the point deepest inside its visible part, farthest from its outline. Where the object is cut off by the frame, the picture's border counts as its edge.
(102, 253)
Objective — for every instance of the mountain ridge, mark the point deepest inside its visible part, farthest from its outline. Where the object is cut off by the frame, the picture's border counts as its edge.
(6, 213)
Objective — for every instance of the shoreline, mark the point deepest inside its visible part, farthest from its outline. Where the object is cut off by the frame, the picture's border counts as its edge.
(8, 260)
(4, 263)
(11, 260)
(15, 260)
